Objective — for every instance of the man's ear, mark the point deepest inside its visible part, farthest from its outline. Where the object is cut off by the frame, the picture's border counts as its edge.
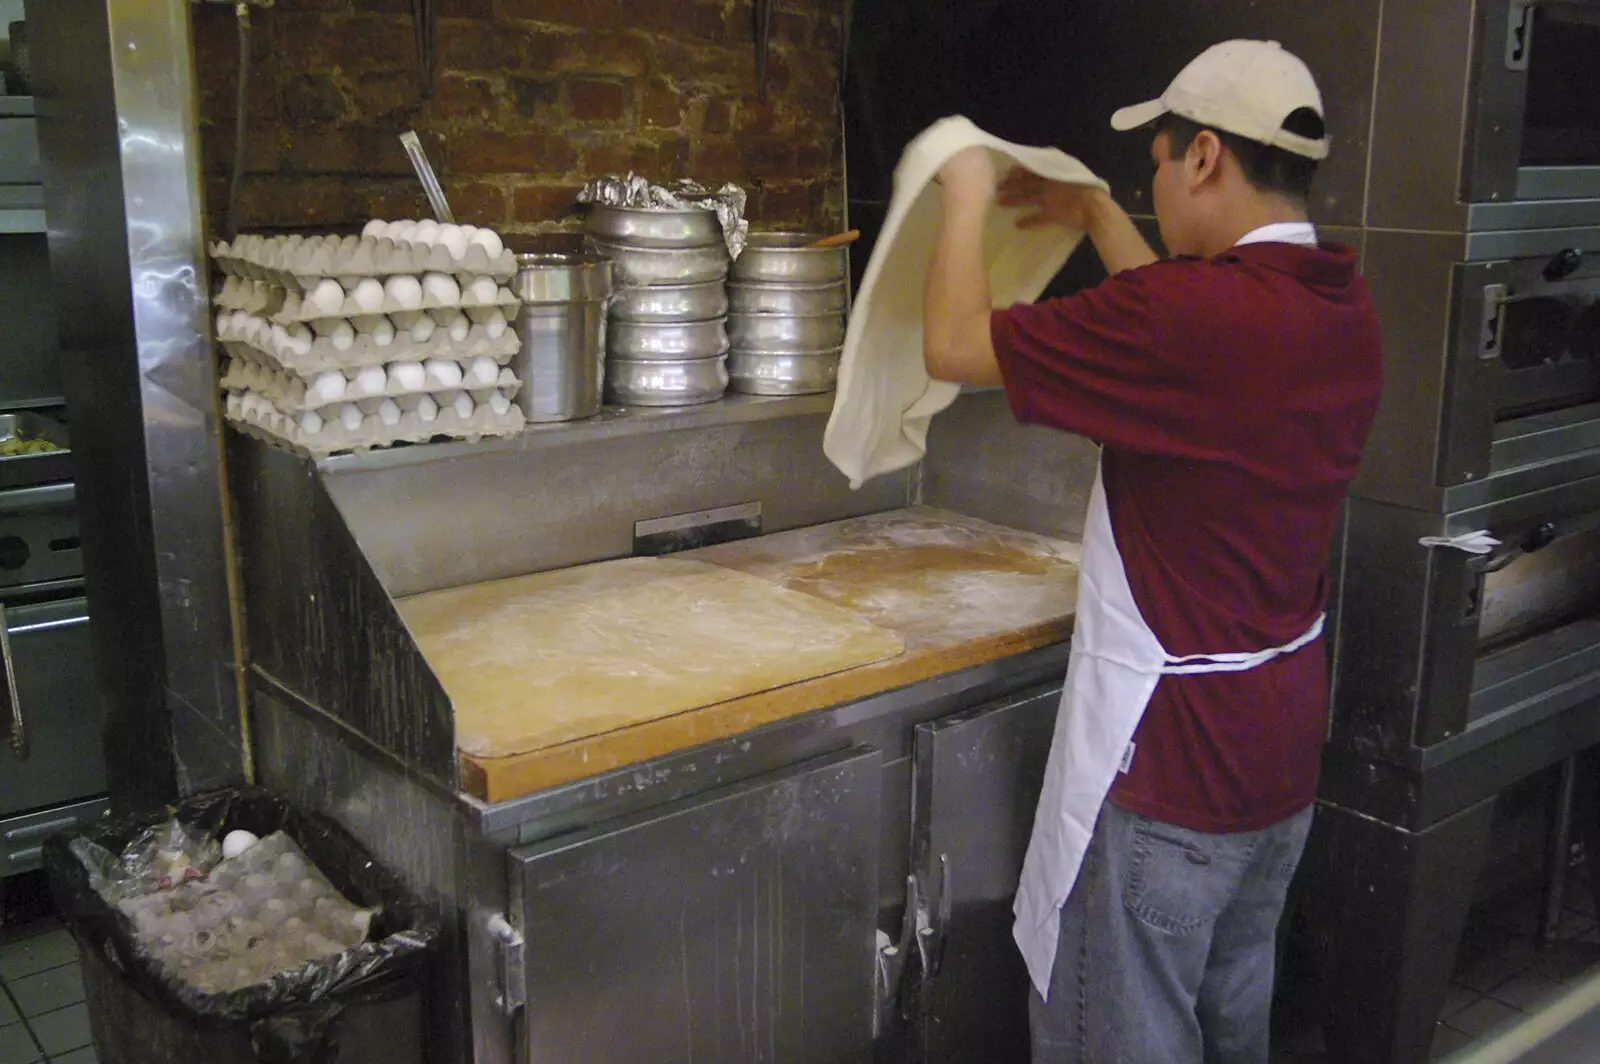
(1203, 161)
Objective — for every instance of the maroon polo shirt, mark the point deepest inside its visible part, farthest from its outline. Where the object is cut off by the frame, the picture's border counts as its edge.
(1233, 397)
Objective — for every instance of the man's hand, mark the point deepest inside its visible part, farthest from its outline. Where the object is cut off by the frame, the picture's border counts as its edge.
(969, 174)
(1085, 208)
(1051, 202)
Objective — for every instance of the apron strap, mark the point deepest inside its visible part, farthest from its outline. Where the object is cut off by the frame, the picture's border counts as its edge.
(1196, 664)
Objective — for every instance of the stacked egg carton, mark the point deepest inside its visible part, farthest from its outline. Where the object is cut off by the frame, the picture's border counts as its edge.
(346, 343)
(666, 335)
(786, 322)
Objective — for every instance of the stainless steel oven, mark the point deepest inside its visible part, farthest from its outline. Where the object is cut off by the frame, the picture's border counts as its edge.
(1534, 133)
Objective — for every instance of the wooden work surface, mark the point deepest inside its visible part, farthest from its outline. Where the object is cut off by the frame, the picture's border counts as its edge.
(956, 591)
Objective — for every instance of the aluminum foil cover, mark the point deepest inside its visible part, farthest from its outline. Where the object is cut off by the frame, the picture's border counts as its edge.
(637, 193)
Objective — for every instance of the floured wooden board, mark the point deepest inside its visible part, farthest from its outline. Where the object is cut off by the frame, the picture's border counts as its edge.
(959, 592)
(537, 661)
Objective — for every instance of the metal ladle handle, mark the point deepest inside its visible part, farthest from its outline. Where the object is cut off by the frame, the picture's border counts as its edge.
(19, 728)
(425, 174)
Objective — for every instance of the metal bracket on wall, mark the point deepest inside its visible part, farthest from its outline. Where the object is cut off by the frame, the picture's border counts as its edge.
(1519, 33)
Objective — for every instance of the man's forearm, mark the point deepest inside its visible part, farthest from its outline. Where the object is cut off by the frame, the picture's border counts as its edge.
(1116, 239)
(956, 345)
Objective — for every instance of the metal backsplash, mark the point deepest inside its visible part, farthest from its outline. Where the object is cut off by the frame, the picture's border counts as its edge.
(982, 463)
(549, 503)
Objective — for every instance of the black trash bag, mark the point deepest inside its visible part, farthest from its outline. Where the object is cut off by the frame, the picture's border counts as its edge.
(290, 1017)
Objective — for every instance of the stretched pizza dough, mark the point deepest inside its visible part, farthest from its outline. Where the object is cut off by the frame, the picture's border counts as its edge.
(886, 399)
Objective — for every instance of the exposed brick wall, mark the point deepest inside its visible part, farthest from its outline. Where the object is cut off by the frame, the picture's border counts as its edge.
(533, 98)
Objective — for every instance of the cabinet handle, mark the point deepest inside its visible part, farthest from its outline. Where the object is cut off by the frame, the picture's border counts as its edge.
(19, 729)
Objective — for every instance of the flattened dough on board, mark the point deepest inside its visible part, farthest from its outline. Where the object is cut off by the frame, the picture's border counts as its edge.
(535, 661)
(886, 399)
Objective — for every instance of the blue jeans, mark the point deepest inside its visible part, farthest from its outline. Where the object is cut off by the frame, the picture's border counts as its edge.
(1167, 945)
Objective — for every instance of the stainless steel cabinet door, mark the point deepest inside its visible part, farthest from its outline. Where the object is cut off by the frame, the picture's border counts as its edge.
(59, 707)
(736, 926)
(977, 781)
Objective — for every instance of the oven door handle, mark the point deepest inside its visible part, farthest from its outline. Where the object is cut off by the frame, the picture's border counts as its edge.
(19, 728)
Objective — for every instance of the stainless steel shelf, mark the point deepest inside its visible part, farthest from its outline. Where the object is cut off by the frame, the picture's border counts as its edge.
(610, 423)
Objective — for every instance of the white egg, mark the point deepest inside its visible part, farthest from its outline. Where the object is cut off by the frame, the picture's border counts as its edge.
(311, 422)
(326, 299)
(389, 412)
(406, 232)
(370, 381)
(460, 328)
(301, 338)
(423, 330)
(463, 406)
(404, 291)
(392, 230)
(483, 372)
(490, 242)
(482, 291)
(427, 409)
(350, 417)
(369, 295)
(278, 336)
(233, 404)
(446, 372)
(329, 386)
(383, 333)
(453, 240)
(495, 327)
(427, 232)
(440, 290)
(343, 336)
(469, 231)
(499, 403)
(249, 404)
(407, 376)
(375, 228)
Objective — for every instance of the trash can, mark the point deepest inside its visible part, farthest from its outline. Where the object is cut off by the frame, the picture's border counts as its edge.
(364, 1004)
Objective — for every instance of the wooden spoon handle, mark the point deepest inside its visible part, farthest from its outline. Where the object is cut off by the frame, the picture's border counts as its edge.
(837, 240)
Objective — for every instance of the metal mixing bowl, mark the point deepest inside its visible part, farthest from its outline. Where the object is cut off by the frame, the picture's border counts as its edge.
(779, 332)
(778, 373)
(783, 258)
(790, 299)
(667, 341)
(666, 383)
(671, 303)
(639, 267)
(653, 229)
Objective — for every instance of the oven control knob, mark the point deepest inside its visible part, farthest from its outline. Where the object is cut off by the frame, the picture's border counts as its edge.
(1540, 538)
(1565, 264)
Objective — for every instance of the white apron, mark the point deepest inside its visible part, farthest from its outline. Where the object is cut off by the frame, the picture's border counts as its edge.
(1115, 665)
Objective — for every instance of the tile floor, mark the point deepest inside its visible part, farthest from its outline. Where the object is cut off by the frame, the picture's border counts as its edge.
(42, 1014)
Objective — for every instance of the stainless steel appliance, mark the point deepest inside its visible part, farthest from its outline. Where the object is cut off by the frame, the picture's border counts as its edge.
(54, 774)
(1534, 131)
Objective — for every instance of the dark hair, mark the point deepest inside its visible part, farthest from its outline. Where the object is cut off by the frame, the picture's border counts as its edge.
(1265, 167)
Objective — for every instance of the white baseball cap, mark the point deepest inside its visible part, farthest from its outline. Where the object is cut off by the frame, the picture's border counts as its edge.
(1244, 87)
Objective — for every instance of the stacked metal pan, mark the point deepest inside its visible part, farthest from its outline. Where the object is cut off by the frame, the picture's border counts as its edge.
(667, 336)
(786, 322)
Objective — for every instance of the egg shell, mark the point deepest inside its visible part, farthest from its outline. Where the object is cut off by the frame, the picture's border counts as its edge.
(483, 372)
(368, 296)
(499, 403)
(404, 291)
(427, 409)
(343, 336)
(406, 232)
(453, 240)
(460, 328)
(463, 406)
(383, 334)
(490, 242)
(375, 228)
(389, 412)
(327, 298)
(311, 422)
(370, 381)
(423, 330)
(483, 290)
(407, 376)
(329, 386)
(495, 326)
(446, 372)
(392, 230)
(427, 232)
(440, 290)
(350, 417)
